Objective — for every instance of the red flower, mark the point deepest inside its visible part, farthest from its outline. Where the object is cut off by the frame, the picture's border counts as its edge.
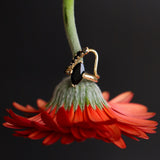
(107, 123)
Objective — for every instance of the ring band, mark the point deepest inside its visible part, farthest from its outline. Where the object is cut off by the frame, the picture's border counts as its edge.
(76, 68)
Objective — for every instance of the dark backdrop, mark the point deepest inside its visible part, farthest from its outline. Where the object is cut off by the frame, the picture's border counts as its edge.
(35, 52)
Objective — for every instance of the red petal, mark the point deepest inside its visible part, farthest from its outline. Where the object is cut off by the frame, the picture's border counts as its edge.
(105, 140)
(21, 121)
(120, 143)
(109, 112)
(87, 133)
(41, 104)
(129, 108)
(62, 118)
(70, 114)
(25, 132)
(67, 139)
(148, 129)
(146, 115)
(28, 109)
(78, 116)
(130, 136)
(103, 134)
(8, 125)
(133, 131)
(10, 120)
(134, 121)
(103, 115)
(38, 135)
(125, 97)
(49, 121)
(52, 123)
(52, 113)
(19, 135)
(76, 133)
(106, 95)
(92, 114)
(36, 118)
(18, 121)
(113, 130)
(40, 127)
(52, 138)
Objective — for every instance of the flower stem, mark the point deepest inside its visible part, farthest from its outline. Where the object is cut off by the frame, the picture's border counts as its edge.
(70, 26)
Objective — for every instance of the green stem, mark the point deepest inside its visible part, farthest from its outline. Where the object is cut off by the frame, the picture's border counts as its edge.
(70, 27)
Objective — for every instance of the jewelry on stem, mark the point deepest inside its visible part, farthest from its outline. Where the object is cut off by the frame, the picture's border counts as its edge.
(76, 68)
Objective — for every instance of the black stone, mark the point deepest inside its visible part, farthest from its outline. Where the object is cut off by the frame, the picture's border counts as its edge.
(75, 57)
(79, 53)
(77, 73)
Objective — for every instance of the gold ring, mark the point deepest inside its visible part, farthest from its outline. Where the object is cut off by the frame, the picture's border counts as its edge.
(77, 70)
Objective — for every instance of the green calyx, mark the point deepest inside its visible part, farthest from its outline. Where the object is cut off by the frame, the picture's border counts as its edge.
(84, 94)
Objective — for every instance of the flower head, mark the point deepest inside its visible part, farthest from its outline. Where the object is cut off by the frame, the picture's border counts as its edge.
(81, 112)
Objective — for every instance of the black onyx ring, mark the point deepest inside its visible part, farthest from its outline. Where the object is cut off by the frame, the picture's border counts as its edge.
(76, 68)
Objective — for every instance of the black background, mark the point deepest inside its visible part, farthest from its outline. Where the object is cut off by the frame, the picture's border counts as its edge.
(35, 52)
